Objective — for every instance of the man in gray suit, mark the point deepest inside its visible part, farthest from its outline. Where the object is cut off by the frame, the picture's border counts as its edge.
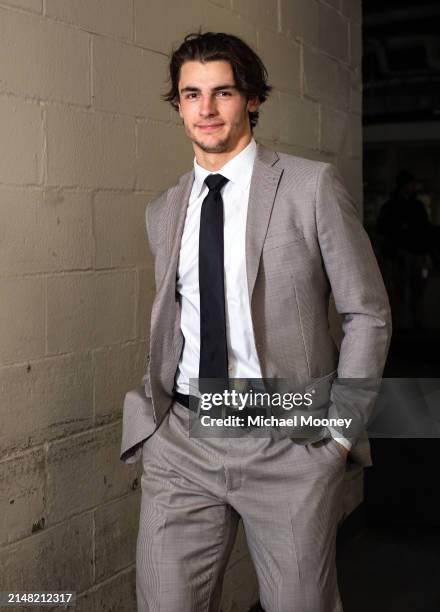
(247, 247)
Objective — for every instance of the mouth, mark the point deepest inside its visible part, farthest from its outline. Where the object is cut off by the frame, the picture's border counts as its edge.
(210, 127)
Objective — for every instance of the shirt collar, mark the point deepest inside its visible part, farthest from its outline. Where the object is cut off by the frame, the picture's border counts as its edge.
(237, 170)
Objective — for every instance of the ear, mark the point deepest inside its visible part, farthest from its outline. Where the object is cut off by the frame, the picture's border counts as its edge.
(253, 104)
(180, 110)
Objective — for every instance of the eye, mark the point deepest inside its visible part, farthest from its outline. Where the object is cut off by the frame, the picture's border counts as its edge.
(191, 95)
(224, 93)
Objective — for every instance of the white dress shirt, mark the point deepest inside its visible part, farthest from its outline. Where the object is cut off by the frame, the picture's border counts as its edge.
(242, 354)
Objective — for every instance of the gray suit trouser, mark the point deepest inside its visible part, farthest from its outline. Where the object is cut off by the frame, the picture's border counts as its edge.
(195, 489)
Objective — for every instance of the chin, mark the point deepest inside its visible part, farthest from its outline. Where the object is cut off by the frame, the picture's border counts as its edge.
(213, 147)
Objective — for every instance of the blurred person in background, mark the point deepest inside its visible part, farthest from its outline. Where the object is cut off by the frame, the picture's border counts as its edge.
(406, 250)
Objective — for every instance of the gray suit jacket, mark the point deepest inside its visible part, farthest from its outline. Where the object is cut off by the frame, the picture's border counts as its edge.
(304, 239)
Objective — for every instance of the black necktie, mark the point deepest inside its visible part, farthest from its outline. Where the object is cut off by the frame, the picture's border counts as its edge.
(213, 345)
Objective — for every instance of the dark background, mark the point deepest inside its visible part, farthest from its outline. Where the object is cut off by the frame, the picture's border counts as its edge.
(389, 550)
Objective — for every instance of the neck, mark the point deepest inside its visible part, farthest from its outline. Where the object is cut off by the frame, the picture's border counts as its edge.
(214, 161)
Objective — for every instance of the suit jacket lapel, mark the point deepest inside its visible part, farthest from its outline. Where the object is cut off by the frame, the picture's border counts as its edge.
(177, 202)
(264, 184)
(164, 341)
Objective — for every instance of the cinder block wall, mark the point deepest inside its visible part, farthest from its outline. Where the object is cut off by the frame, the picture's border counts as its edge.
(85, 142)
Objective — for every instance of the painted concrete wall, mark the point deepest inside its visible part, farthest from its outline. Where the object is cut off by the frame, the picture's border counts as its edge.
(85, 142)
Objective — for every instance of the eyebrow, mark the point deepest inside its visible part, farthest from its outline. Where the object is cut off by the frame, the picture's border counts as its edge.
(192, 88)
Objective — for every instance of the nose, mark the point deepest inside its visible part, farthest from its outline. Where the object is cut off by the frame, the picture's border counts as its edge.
(208, 107)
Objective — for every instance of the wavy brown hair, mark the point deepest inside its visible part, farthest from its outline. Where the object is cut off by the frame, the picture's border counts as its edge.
(250, 74)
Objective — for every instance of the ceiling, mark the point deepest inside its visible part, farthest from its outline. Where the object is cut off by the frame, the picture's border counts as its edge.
(401, 61)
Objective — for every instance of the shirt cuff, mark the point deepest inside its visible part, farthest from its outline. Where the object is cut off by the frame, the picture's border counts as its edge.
(337, 436)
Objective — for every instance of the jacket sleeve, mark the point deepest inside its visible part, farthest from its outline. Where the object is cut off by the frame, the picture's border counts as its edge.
(360, 299)
(137, 412)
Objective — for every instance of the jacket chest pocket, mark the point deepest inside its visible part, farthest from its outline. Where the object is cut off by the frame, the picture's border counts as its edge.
(286, 255)
(280, 237)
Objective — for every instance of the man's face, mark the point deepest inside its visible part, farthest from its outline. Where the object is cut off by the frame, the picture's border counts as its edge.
(214, 112)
